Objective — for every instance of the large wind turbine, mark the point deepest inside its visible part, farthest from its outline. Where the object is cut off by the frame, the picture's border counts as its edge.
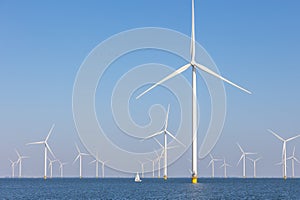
(13, 168)
(165, 132)
(212, 163)
(254, 165)
(97, 161)
(20, 158)
(293, 158)
(225, 165)
(47, 148)
(61, 168)
(283, 149)
(80, 160)
(194, 65)
(243, 156)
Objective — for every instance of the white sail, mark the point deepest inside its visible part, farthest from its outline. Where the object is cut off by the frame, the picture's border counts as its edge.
(137, 178)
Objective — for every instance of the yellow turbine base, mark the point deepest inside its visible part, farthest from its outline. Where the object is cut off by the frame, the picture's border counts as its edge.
(284, 177)
(194, 179)
(45, 177)
(165, 177)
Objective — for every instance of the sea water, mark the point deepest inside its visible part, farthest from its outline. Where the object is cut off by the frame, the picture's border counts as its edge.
(173, 188)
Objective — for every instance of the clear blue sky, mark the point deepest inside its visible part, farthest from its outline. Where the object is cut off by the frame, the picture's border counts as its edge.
(254, 43)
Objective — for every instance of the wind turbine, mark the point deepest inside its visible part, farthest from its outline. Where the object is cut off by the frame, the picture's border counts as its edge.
(293, 158)
(225, 165)
(165, 132)
(153, 166)
(243, 156)
(51, 166)
(13, 168)
(80, 160)
(61, 168)
(158, 161)
(47, 148)
(20, 163)
(254, 165)
(283, 149)
(212, 163)
(97, 161)
(194, 65)
(142, 167)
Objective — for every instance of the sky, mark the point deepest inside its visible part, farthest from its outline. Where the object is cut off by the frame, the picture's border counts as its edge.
(253, 43)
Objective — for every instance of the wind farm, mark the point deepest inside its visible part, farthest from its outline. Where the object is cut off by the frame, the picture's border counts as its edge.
(149, 99)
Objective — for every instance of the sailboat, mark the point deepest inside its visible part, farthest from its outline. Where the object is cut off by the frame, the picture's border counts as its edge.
(137, 178)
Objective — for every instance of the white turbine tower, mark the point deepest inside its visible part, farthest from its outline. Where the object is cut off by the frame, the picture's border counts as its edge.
(212, 163)
(97, 161)
(61, 168)
(51, 166)
(293, 158)
(165, 132)
(80, 160)
(20, 158)
(13, 164)
(254, 165)
(153, 166)
(158, 161)
(194, 65)
(244, 154)
(46, 149)
(225, 165)
(283, 149)
(142, 167)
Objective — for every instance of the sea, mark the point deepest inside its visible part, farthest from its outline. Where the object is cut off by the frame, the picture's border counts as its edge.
(150, 188)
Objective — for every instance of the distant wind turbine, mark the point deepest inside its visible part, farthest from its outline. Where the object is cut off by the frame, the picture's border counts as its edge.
(254, 165)
(194, 65)
(283, 149)
(165, 132)
(13, 164)
(61, 168)
(212, 163)
(80, 160)
(153, 166)
(47, 148)
(51, 166)
(243, 156)
(20, 158)
(225, 165)
(293, 158)
(142, 167)
(97, 161)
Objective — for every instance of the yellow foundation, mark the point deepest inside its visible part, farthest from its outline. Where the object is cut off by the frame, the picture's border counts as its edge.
(45, 177)
(194, 179)
(165, 177)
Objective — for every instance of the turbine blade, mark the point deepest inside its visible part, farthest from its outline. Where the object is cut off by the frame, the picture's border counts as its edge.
(84, 154)
(172, 136)
(296, 160)
(76, 159)
(209, 71)
(18, 153)
(178, 71)
(41, 142)
(167, 117)
(240, 159)
(192, 50)
(209, 163)
(240, 147)
(153, 135)
(211, 156)
(48, 147)
(276, 135)
(92, 161)
(49, 133)
(292, 138)
(158, 143)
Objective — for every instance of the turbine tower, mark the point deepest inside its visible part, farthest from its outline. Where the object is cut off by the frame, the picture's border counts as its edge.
(212, 163)
(293, 158)
(165, 132)
(80, 160)
(243, 156)
(20, 158)
(194, 65)
(46, 149)
(97, 161)
(283, 149)
(225, 165)
(254, 165)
